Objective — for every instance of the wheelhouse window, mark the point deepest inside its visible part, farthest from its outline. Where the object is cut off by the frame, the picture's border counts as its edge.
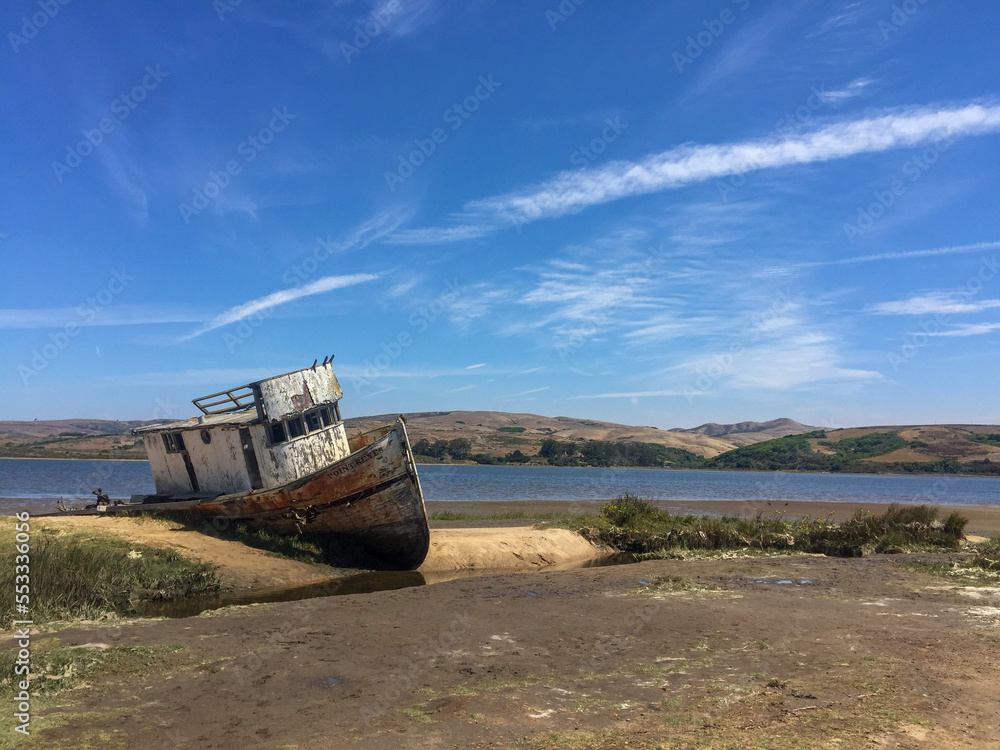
(173, 442)
(311, 421)
(295, 428)
(276, 433)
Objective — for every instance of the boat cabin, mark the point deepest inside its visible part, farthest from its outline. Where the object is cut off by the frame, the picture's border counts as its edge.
(257, 436)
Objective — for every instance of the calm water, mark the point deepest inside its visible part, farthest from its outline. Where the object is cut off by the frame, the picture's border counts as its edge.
(44, 482)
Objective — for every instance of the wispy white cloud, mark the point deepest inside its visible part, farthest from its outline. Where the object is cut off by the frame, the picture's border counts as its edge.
(902, 255)
(113, 315)
(934, 303)
(633, 394)
(349, 371)
(526, 393)
(753, 41)
(967, 329)
(379, 392)
(476, 367)
(403, 287)
(573, 191)
(793, 359)
(854, 88)
(373, 229)
(211, 378)
(462, 388)
(414, 16)
(475, 302)
(849, 15)
(275, 299)
(125, 176)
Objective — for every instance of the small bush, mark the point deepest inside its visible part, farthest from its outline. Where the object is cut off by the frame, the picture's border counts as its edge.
(628, 510)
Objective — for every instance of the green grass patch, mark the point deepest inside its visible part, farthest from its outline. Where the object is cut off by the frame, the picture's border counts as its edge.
(418, 716)
(631, 524)
(55, 669)
(83, 576)
(991, 438)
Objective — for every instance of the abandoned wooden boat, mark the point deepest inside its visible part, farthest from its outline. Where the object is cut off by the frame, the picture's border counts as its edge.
(275, 454)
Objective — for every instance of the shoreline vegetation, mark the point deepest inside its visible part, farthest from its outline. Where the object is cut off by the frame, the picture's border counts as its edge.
(90, 576)
(631, 524)
(95, 575)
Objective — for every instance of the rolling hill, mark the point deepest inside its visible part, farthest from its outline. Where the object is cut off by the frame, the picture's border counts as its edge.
(917, 449)
(746, 433)
(491, 433)
(780, 444)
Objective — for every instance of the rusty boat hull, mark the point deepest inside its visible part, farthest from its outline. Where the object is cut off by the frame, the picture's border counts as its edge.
(371, 497)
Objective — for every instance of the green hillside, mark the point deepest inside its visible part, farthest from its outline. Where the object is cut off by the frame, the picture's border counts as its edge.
(820, 451)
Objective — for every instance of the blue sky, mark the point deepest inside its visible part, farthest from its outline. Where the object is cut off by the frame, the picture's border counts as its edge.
(634, 212)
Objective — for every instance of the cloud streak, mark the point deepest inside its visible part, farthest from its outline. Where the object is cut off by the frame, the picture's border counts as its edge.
(935, 303)
(634, 394)
(275, 299)
(967, 329)
(570, 192)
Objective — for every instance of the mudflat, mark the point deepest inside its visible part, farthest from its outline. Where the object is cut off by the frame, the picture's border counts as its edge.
(792, 651)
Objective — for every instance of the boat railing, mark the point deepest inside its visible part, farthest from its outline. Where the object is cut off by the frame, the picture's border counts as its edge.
(234, 399)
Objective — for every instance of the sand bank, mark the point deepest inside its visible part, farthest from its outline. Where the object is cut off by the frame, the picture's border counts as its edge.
(519, 547)
(244, 568)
